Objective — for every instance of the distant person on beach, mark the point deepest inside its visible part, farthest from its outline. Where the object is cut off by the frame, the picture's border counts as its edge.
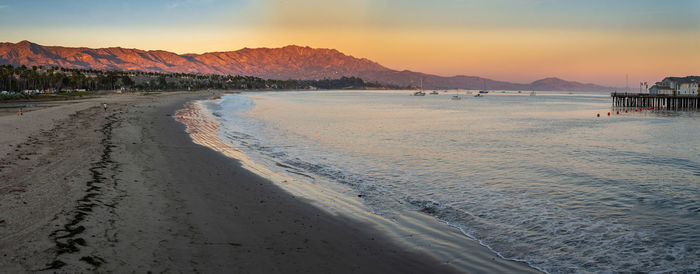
(104, 105)
(19, 112)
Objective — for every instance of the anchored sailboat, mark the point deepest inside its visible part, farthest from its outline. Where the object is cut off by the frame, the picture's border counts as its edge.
(420, 92)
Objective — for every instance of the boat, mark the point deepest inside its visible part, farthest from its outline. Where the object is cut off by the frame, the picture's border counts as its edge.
(420, 92)
(532, 93)
(434, 92)
(483, 87)
(478, 95)
(456, 97)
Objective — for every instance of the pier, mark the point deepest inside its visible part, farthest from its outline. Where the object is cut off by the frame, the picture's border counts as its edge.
(645, 100)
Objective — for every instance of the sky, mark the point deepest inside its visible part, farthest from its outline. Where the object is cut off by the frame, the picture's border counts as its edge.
(598, 41)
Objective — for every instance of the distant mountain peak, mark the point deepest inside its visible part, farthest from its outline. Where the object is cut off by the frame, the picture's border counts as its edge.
(554, 83)
(550, 79)
(288, 62)
(24, 44)
(297, 46)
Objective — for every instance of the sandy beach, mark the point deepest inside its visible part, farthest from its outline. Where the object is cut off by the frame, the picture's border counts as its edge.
(127, 190)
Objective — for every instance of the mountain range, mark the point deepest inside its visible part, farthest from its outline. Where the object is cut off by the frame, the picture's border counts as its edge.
(289, 62)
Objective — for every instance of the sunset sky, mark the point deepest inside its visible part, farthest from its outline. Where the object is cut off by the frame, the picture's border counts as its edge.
(514, 40)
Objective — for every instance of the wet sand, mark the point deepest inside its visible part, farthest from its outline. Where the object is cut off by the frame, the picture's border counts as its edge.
(127, 190)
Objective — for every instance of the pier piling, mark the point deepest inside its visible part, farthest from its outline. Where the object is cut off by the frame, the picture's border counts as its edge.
(645, 100)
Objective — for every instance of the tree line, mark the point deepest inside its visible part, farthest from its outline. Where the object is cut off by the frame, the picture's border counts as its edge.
(59, 79)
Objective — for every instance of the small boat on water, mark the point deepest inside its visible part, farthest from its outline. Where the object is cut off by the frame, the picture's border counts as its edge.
(478, 95)
(420, 92)
(533, 93)
(456, 97)
(483, 87)
(434, 92)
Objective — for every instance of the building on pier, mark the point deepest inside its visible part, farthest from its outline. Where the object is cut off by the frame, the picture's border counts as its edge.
(676, 86)
(688, 89)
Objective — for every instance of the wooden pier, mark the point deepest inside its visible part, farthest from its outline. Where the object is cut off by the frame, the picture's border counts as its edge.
(665, 102)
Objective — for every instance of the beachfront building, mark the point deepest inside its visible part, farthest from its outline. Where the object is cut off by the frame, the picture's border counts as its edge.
(678, 86)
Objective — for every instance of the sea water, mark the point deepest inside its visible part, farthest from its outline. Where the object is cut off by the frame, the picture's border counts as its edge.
(539, 179)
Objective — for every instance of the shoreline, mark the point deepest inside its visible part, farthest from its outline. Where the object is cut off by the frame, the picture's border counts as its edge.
(425, 233)
(239, 221)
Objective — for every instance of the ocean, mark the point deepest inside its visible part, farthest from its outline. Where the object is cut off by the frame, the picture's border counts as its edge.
(539, 179)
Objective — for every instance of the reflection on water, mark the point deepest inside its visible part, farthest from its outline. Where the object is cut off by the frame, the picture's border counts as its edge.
(536, 178)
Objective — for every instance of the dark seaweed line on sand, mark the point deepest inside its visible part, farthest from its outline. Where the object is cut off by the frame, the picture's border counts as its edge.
(67, 239)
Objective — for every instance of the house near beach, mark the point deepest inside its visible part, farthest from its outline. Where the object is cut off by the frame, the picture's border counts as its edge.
(676, 86)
